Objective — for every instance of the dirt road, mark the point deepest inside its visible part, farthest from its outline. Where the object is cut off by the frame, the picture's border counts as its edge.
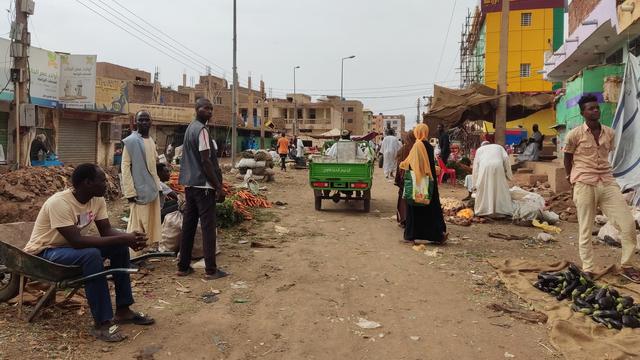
(303, 298)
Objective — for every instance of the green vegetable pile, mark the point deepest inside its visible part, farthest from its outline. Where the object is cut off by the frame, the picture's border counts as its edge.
(227, 215)
(603, 304)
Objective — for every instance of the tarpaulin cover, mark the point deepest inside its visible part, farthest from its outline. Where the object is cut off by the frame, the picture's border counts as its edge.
(331, 134)
(625, 159)
(452, 107)
(369, 136)
(575, 335)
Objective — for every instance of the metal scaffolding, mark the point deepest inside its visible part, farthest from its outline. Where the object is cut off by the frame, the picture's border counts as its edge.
(471, 57)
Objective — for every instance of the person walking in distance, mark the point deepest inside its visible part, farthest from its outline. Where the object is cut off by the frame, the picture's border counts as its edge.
(140, 181)
(445, 144)
(586, 162)
(283, 150)
(202, 178)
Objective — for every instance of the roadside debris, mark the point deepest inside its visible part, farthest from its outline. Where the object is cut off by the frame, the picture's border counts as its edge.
(367, 324)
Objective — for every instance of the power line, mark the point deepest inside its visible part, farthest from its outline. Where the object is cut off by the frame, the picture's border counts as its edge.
(446, 39)
(170, 37)
(143, 34)
(370, 88)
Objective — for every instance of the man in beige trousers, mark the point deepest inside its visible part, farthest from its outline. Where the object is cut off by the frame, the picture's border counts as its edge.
(586, 161)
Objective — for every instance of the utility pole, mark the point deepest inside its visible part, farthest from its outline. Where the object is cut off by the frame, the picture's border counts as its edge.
(262, 117)
(234, 110)
(418, 113)
(295, 103)
(501, 112)
(20, 73)
(342, 90)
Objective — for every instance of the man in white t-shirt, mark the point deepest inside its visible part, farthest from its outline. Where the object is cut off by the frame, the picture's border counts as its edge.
(60, 236)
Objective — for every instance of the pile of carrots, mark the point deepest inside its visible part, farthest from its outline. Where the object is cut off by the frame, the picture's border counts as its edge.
(249, 199)
(174, 183)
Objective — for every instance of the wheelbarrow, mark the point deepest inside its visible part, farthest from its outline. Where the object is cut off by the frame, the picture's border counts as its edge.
(16, 266)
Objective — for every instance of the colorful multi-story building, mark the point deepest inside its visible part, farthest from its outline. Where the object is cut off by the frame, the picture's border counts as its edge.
(536, 28)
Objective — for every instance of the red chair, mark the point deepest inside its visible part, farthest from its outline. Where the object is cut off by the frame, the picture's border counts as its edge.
(444, 170)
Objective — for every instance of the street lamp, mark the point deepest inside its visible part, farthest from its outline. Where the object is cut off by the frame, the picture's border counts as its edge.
(295, 103)
(342, 88)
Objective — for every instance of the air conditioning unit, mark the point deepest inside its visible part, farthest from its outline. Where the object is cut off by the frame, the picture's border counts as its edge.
(110, 132)
(28, 6)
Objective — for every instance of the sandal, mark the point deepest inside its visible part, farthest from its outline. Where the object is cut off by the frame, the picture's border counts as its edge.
(631, 274)
(187, 272)
(219, 274)
(110, 334)
(137, 319)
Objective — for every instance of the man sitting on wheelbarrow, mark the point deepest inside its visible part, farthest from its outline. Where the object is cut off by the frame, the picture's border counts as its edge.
(58, 236)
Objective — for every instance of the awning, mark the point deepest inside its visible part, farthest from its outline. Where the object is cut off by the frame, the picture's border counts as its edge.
(370, 136)
(452, 107)
(331, 134)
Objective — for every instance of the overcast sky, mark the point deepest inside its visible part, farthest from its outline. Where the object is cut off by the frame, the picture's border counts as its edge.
(398, 43)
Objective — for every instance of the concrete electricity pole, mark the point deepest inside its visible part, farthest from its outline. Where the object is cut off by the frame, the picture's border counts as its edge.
(418, 112)
(20, 73)
(262, 117)
(234, 110)
(501, 112)
(295, 103)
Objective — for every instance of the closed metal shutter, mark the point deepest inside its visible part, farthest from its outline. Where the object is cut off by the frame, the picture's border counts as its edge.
(77, 141)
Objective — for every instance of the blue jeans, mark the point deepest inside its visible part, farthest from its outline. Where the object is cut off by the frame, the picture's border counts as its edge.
(97, 290)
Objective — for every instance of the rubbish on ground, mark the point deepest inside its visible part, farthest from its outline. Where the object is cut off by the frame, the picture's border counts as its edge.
(240, 301)
(280, 203)
(367, 324)
(507, 236)
(433, 253)
(526, 315)
(465, 213)
(546, 227)
(507, 355)
(604, 305)
(544, 237)
(280, 230)
(242, 242)
(209, 297)
(611, 241)
(183, 290)
(285, 287)
(458, 221)
(255, 244)
(414, 338)
(550, 217)
(601, 220)
(419, 248)
(239, 285)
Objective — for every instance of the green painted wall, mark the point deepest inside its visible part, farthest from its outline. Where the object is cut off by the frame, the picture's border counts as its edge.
(590, 82)
(558, 28)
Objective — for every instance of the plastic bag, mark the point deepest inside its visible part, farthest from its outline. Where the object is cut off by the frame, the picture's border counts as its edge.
(418, 194)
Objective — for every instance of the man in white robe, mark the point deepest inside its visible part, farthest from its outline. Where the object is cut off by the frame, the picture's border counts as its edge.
(389, 149)
(491, 172)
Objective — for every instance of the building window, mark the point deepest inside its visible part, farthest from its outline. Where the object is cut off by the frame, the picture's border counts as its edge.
(350, 109)
(266, 113)
(395, 122)
(312, 113)
(350, 121)
(616, 57)
(300, 114)
(525, 19)
(525, 70)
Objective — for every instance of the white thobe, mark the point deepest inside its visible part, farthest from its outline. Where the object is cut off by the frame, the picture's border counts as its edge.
(390, 147)
(491, 171)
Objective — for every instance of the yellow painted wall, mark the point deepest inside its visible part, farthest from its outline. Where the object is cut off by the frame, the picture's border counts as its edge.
(527, 44)
(545, 119)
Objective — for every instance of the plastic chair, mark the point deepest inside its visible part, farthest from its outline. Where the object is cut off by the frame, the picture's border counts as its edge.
(444, 170)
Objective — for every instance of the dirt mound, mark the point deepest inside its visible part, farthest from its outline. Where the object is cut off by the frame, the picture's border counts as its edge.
(23, 191)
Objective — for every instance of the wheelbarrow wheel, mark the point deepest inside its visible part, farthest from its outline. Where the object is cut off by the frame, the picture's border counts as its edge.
(9, 285)
(318, 201)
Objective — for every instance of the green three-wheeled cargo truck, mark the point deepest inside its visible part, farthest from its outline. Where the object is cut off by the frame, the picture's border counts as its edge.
(345, 174)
